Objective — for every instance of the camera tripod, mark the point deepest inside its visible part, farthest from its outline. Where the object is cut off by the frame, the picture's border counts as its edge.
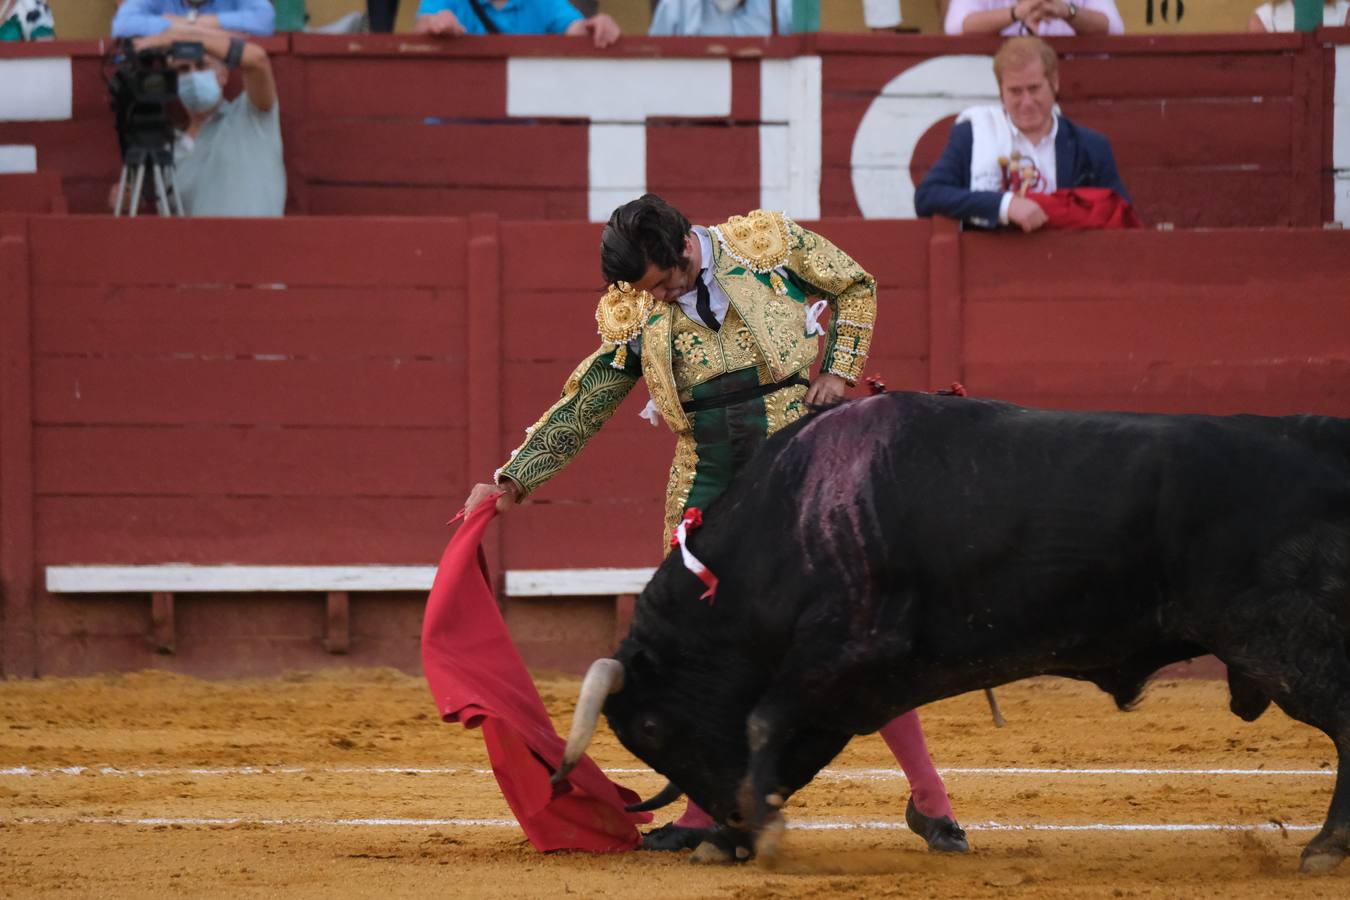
(159, 165)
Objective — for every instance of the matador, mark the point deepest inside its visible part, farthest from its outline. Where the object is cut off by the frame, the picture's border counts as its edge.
(722, 322)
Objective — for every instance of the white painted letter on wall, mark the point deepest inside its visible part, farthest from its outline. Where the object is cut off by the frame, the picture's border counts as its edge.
(910, 104)
(617, 96)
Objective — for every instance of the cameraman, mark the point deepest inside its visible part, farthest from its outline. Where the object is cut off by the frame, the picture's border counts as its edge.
(228, 159)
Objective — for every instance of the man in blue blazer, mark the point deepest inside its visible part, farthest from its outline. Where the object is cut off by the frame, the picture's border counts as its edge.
(997, 154)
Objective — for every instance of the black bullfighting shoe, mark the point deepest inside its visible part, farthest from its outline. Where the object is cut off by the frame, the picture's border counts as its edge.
(942, 835)
(675, 837)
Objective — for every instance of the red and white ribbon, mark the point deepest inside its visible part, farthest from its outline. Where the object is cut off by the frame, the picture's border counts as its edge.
(813, 326)
(651, 412)
(693, 518)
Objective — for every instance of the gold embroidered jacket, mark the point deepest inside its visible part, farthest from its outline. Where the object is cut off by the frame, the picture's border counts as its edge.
(769, 267)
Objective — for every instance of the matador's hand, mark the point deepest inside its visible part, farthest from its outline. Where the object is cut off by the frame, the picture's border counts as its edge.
(509, 490)
(827, 390)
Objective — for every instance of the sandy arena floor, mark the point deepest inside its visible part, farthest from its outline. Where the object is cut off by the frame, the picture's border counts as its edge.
(344, 784)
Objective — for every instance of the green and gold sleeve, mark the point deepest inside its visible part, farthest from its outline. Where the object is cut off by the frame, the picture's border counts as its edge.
(852, 295)
(590, 396)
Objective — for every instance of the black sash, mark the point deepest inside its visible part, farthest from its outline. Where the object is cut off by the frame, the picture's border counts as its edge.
(732, 397)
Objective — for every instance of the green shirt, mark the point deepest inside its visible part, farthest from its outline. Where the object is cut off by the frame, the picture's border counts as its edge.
(28, 20)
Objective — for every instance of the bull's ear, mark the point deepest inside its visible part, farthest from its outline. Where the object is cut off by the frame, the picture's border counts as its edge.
(644, 665)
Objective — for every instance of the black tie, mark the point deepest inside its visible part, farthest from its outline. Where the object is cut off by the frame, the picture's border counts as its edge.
(705, 305)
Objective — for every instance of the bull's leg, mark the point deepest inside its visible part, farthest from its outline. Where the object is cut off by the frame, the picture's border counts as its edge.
(1326, 707)
(767, 730)
(1332, 844)
(1300, 660)
(786, 752)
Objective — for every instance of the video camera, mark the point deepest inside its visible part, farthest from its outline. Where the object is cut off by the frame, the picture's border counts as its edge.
(142, 85)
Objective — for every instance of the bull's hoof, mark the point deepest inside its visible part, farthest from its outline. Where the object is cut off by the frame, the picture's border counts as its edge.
(1321, 860)
(672, 837)
(942, 834)
(708, 853)
(768, 840)
(724, 845)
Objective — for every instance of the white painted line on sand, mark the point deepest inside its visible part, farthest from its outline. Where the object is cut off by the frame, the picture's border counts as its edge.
(828, 774)
(802, 824)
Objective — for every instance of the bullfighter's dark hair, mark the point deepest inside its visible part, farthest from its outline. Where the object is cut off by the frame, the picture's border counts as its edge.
(642, 232)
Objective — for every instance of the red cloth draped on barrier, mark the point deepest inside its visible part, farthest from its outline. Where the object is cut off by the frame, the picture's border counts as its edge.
(477, 678)
(1102, 208)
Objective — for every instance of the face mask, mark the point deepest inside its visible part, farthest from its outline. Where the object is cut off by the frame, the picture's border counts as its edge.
(199, 91)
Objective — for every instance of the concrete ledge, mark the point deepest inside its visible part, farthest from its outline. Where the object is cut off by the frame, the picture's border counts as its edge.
(180, 578)
(164, 582)
(575, 582)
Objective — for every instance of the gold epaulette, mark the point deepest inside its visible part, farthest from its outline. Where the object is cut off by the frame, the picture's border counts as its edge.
(620, 316)
(759, 241)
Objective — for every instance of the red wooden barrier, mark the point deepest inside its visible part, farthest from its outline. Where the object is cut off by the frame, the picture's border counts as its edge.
(325, 391)
(32, 192)
(1210, 130)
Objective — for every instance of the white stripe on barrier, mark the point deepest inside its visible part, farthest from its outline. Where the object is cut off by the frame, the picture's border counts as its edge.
(802, 825)
(18, 159)
(1340, 136)
(36, 89)
(829, 774)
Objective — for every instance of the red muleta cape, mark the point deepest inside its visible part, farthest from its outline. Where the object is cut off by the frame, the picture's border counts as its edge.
(1071, 208)
(478, 679)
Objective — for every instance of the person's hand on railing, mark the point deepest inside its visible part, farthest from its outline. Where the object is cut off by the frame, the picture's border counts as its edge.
(441, 24)
(604, 31)
(1026, 214)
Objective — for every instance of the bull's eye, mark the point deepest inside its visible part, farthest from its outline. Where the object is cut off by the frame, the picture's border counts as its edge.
(650, 731)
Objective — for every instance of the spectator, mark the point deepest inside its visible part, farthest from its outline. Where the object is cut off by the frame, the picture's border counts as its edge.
(881, 15)
(228, 160)
(730, 18)
(143, 17)
(1043, 17)
(1280, 16)
(997, 153)
(26, 20)
(451, 18)
(382, 14)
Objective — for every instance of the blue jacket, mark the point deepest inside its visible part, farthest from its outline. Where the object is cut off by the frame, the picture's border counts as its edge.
(1082, 159)
(139, 17)
(515, 17)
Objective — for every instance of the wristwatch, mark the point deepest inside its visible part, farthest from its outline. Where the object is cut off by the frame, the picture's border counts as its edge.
(1073, 10)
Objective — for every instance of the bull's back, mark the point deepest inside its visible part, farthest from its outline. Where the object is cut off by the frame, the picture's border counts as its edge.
(1012, 514)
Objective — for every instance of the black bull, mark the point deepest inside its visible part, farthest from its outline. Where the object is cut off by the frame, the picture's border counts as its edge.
(905, 548)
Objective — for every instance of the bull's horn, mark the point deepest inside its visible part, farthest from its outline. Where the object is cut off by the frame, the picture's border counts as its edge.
(604, 677)
(993, 707)
(667, 795)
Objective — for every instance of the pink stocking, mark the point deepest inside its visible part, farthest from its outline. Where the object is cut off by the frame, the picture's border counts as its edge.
(905, 738)
(696, 818)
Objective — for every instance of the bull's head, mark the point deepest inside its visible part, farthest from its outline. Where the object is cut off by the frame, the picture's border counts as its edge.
(679, 737)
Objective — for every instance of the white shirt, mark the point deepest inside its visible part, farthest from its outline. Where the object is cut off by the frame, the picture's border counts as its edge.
(689, 300)
(703, 17)
(1280, 16)
(1041, 152)
(234, 165)
(960, 9)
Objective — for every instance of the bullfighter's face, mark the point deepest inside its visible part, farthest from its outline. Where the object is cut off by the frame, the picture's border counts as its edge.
(668, 285)
(1029, 98)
